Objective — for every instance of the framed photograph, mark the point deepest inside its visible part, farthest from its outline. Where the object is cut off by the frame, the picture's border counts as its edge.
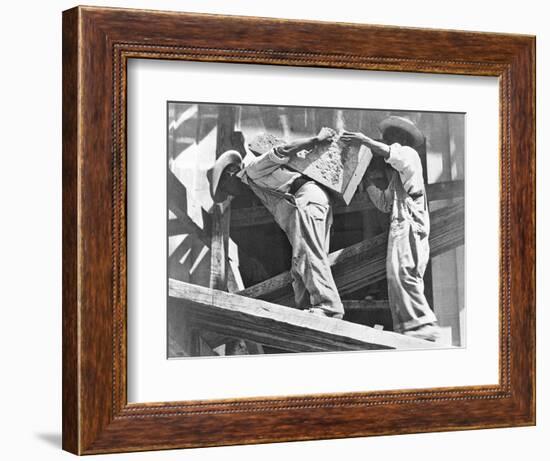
(286, 230)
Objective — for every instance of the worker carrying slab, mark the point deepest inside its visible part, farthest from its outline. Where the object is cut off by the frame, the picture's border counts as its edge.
(408, 246)
(300, 206)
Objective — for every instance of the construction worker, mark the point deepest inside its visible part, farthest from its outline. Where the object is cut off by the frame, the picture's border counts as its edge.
(408, 247)
(301, 208)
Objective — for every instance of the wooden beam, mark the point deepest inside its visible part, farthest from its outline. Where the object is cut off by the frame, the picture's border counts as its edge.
(219, 247)
(278, 326)
(364, 263)
(256, 215)
(365, 304)
(226, 128)
(234, 279)
(176, 227)
(177, 204)
(370, 312)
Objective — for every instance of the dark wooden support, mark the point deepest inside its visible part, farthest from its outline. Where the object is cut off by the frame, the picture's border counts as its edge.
(256, 215)
(370, 312)
(176, 227)
(365, 304)
(364, 263)
(278, 326)
(226, 128)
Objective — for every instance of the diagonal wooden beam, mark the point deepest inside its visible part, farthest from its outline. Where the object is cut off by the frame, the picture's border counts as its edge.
(278, 326)
(256, 215)
(364, 263)
(177, 204)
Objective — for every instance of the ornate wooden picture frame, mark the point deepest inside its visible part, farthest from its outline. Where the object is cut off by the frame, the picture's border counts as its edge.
(97, 44)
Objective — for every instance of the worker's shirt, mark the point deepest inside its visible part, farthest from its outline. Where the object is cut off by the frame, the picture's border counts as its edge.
(270, 179)
(407, 162)
(405, 196)
(269, 171)
(306, 218)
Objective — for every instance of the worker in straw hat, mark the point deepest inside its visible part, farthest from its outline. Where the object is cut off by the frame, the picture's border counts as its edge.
(408, 248)
(300, 207)
(224, 172)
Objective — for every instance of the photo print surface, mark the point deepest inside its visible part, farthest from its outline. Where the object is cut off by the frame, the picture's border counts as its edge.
(313, 229)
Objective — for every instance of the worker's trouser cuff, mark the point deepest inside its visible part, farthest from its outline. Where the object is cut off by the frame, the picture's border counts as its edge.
(336, 308)
(415, 323)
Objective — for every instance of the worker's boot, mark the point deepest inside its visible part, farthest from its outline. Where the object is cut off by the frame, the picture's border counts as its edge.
(428, 332)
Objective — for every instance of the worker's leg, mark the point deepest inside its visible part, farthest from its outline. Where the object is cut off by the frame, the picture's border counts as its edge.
(285, 214)
(406, 262)
(308, 232)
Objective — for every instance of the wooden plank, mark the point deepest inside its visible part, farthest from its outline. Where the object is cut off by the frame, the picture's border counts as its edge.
(226, 128)
(370, 312)
(176, 227)
(445, 190)
(219, 247)
(257, 215)
(278, 326)
(177, 204)
(365, 304)
(183, 224)
(364, 263)
(234, 279)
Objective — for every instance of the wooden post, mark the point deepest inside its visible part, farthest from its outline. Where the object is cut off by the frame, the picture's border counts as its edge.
(224, 270)
(226, 128)
(219, 247)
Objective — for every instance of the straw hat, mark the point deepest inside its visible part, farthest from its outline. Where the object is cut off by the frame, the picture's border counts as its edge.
(231, 157)
(405, 125)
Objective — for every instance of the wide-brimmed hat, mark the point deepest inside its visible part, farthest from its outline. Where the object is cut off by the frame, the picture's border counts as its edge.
(264, 142)
(231, 157)
(402, 123)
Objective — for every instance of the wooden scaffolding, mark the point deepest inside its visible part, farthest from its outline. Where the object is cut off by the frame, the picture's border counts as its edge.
(260, 314)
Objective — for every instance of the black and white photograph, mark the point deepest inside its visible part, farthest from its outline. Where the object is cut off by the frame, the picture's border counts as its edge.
(275, 230)
(313, 229)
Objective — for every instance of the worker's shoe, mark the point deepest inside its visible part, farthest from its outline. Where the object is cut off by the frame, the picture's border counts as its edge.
(323, 313)
(429, 332)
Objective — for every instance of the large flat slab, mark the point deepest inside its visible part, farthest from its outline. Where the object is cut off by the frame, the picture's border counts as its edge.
(336, 165)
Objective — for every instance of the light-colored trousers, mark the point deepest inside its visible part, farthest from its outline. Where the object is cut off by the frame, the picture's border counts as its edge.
(408, 253)
(406, 261)
(306, 219)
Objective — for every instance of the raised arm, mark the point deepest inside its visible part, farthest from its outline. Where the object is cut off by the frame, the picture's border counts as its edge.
(378, 148)
(293, 147)
(404, 159)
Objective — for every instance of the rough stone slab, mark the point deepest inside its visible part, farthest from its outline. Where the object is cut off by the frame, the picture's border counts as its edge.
(337, 165)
